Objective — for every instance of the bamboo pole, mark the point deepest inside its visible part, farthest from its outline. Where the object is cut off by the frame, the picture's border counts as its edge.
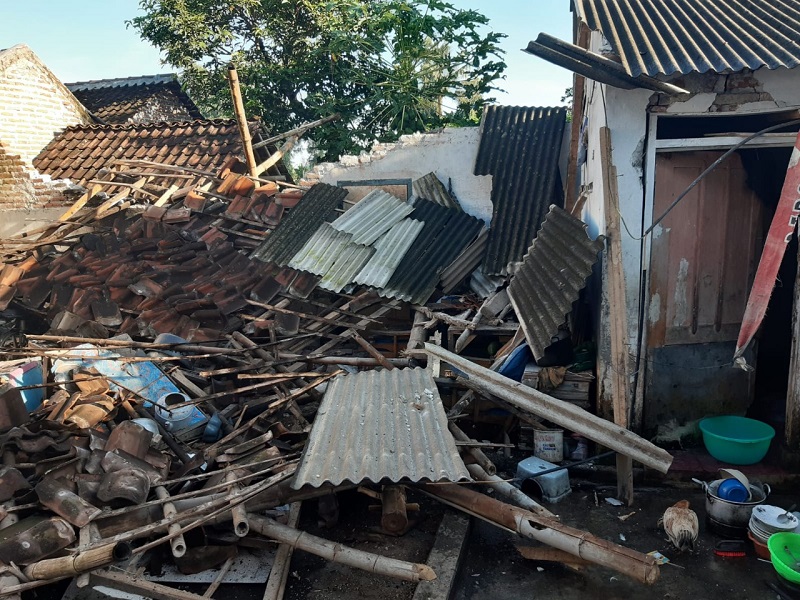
(509, 491)
(297, 130)
(641, 567)
(367, 561)
(178, 544)
(241, 120)
(562, 413)
(241, 527)
(70, 566)
(223, 570)
(477, 454)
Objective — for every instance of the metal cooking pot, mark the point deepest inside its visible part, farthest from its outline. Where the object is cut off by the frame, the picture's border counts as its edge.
(726, 512)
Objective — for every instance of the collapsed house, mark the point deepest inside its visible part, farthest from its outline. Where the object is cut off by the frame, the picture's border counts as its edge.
(201, 344)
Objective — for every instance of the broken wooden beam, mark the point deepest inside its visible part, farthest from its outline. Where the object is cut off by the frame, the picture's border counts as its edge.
(279, 573)
(477, 454)
(559, 412)
(367, 561)
(641, 567)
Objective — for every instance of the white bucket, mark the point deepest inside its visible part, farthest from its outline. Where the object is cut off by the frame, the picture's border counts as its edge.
(549, 445)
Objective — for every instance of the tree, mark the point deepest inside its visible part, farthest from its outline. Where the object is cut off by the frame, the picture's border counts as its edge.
(388, 66)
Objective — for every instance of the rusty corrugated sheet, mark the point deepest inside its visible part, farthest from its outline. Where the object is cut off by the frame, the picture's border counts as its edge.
(380, 425)
(551, 277)
(680, 36)
(519, 148)
(300, 224)
(373, 216)
(390, 249)
(465, 264)
(429, 187)
(445, 234)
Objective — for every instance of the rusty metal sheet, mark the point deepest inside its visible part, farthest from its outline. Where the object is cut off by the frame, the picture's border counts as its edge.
(784, 224)
(380, 425)
(680, 36)
(551, 276)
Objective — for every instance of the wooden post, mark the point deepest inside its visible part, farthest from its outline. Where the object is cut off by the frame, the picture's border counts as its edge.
(394, 517)
(241, 119)
(578, 86)
(618, 312)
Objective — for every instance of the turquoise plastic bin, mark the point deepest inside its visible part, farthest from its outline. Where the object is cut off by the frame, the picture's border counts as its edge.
(736, 440)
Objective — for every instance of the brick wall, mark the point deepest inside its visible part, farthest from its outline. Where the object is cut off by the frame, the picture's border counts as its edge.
(731, 91)
(34, 106)
(22, 187)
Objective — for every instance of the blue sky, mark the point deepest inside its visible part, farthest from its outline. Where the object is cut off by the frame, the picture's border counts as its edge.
(87, 39)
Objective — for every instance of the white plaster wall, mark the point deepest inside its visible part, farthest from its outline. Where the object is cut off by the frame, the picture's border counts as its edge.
(450, 154)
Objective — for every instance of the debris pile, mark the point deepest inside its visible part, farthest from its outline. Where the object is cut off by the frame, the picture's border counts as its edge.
(196, 358)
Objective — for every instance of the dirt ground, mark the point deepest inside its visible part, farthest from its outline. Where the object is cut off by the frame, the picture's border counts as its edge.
(492, 567)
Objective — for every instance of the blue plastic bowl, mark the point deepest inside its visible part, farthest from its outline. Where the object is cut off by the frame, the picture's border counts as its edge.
(733, 490)
(736, 440)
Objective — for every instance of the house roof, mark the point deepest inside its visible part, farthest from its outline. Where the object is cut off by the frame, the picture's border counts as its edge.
(519, 148)
(136, 99)
(665, 37)
(79, 152)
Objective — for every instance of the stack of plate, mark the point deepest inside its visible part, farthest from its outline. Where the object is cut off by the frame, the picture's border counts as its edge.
(767, 520)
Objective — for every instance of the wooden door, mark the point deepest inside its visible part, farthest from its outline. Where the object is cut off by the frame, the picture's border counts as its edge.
(704, 255)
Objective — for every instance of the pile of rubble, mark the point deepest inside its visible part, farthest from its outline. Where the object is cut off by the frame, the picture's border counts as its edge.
(207, 357)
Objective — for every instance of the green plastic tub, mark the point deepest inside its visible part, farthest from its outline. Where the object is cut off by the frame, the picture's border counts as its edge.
(736, 440)
(781, 559)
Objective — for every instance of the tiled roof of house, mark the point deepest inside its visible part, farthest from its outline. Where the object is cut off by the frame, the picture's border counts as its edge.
(136, 99)
(79, 152)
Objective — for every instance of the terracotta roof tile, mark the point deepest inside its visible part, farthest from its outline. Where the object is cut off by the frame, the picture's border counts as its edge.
(139, 103)
(79, 152)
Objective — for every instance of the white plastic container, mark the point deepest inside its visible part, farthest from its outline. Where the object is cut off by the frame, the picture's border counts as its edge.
(549, 444)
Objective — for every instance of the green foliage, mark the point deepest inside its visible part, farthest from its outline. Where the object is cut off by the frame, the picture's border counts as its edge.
(388, 66)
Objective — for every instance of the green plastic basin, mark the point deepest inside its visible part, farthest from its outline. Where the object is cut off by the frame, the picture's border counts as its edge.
(736, 440)
(781, 559)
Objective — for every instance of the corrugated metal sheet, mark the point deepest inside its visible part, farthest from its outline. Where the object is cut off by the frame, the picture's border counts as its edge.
(680, 36)
(321, 250)
(466, 263)
(373, 216)
(380, 425)
(551, 277)
(349, 262)
(429, 187)
(390, 249)
(519, 148)
(445, 234)
(485, 285)
(300, 224)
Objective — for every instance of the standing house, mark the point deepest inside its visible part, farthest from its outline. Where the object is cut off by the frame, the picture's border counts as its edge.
(662, 90)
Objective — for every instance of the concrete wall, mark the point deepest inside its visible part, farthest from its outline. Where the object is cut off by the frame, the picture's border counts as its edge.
(450, 154)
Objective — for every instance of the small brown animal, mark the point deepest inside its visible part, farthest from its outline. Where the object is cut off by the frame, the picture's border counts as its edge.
(680, 524)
